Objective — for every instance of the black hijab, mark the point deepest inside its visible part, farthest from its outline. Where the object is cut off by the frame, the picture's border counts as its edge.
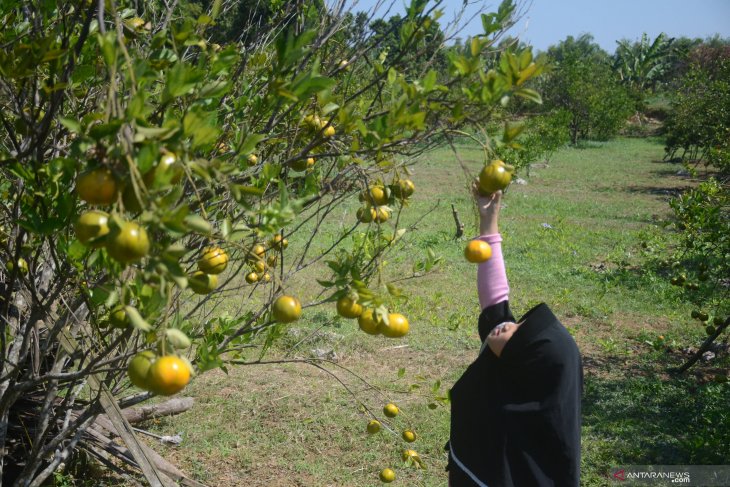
(515, 419)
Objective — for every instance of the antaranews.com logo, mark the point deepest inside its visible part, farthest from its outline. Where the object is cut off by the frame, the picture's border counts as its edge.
(693, 475)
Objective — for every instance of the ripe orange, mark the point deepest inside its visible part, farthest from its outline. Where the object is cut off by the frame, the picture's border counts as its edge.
(397, 326)
(168, 375)
(409, 436)
(413, 454)
(403, 188)
(368, 323)
(139, 367)
(373, 426)
(91, 227)
(266, 277)
(347, 308)
(287, 309)
(213, 261)
(271, 261)
(201, 283)
(257, 253)
(128, 243)
(495, 176)
(329, 131)
(377, 195)
(477, 251)
(278, 242)
(97, 186)
(252, 159)
(259, 266)
(366, 214)
(252, 278)
(387, 475)
(382, 215)
(391, 410)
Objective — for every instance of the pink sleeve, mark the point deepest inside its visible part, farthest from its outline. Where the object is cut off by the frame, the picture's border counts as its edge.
(492, 283)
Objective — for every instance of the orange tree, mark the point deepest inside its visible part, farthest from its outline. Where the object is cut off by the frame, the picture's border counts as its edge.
(149, 174)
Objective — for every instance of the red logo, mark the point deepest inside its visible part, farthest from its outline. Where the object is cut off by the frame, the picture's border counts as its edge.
(620, 475)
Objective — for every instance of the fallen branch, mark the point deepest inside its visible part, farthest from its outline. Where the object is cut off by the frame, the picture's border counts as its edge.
(167, 408)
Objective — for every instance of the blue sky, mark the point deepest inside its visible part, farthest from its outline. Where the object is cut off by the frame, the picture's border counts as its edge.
(550, 21)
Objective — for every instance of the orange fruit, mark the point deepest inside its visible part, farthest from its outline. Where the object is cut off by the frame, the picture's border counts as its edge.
(413, 454)
(22, 266)
(387, 475)
(287, 309)
(366, 214)
(139, 367)
(396, 327)
(128, 243)
(391, 410)
(201, 283)
(257, 253)
(252, 159)
(266, 277)
(91, 227)
(373, 426)
(278, 242)
(381, 215)
(377, 195)
(168, 375)
(97, 186)
(213, 261)
(477, 251)
(168, 171)
(118, 317)
(252, 278)
(495, 176)
(409, 436)
(329, 131)
(259, 266)
(368, 323)
(347, 308)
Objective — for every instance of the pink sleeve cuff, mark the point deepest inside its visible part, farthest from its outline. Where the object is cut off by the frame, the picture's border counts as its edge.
(492, 284)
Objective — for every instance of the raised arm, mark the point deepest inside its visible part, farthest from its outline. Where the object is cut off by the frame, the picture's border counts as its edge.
(492, 284)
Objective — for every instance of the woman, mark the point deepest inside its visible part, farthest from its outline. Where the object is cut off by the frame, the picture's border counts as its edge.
(515, 412)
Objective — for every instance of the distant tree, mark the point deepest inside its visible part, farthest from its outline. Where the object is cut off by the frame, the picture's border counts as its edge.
(582, 82)
(641, 65)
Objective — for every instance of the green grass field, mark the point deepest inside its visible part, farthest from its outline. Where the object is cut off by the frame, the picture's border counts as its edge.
(572, 238)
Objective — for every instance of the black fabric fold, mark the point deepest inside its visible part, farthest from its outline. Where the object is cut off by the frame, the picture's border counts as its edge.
(515, 419)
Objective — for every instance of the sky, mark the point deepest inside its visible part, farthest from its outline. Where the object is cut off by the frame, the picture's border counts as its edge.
(550, 21)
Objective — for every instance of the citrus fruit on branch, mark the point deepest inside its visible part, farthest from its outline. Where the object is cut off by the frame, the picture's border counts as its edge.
(97, 186)
(347, 308)
(495, 176)
(128, 242)
(287, 309)
(202, 283)
(213, 261)
(91, 227)
(396, 327)
(168, 375)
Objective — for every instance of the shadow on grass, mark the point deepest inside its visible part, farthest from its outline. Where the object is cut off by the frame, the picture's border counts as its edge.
(642, 419)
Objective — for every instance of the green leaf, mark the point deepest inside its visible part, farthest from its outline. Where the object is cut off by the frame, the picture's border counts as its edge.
(72, 125)
(201, 126)
(177, 338)
(249, 143)
(529, 94)
(136, 319)
(198, 224)
(215, 89)
(182, 79)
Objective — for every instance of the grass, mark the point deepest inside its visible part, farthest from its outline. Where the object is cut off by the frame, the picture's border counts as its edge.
(572, 238)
